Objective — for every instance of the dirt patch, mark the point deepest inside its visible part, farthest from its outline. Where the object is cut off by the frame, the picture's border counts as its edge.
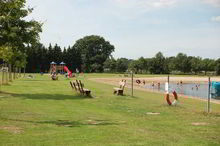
(152, 113)
(199, 124)
(12, 129)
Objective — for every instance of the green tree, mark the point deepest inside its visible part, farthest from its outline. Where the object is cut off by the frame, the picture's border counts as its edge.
(182, 63)
(122, 64)
(208, 65)
(15, 31)
(94, 50)
(157, 64)
(143, 65)
(171, 64)
(196, 64)
(57, 54)
(110, 65)
(37, 58)
(6, 53)
(217, 68)
(73, 59)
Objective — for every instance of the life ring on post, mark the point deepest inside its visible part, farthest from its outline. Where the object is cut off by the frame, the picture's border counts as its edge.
(138, 81)
(175, 98)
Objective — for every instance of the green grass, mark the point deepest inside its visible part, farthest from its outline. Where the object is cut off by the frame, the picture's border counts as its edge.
(44, 112)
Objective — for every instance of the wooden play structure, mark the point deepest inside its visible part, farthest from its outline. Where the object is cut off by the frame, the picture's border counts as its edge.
(57, 68)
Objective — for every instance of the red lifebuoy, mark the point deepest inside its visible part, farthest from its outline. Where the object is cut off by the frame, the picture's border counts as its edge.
(138, 81)
(168, 99)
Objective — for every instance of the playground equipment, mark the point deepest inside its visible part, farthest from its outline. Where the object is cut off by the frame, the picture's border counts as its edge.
(53, 67)
(54, 76)
(57, 68)
(68, 71)
(61, 68)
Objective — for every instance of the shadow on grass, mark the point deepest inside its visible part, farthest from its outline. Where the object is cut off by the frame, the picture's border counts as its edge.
(211, 114)
(40, 96)
(33, 80)
(67, 123)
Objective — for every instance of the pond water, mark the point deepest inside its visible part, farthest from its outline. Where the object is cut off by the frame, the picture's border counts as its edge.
(190, 89)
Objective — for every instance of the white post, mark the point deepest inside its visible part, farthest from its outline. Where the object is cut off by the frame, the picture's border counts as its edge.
(132, 79)
(208, 104)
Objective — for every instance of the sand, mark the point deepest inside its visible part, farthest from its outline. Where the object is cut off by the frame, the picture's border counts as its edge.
(115, 82)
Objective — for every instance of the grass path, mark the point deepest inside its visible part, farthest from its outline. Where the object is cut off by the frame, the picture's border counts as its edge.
(44, 112)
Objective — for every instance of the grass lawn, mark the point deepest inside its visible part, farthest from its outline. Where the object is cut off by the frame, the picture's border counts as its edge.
(40, 111)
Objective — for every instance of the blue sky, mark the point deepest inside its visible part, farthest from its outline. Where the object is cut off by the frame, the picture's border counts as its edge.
(135, 27)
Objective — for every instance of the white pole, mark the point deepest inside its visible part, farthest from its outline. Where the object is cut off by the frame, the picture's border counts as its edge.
(132, 84)
(208, 104)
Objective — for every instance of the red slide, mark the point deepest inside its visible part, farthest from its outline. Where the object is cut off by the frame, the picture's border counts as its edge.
(68, 71)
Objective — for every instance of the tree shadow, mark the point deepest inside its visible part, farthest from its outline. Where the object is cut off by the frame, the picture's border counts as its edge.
(31, 80)
(41, 96)
(68, 123)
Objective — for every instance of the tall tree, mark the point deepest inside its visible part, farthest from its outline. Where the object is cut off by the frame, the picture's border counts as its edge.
(110, 65)
(122, 64)
(217, 68)
(94, 51)
(196, 64)
(208, 65)
(157, 65)
(15, 31)
(182, 63)
(73, 59)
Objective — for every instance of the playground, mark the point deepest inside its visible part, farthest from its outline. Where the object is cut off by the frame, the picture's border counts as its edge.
(40, 111)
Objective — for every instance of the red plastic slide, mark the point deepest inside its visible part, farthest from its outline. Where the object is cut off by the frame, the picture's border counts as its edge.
(68, 71)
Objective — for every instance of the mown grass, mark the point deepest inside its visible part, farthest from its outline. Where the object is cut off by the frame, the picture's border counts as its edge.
(40, 111)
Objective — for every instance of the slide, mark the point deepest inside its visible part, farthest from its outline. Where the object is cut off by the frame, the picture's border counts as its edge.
(68, 71)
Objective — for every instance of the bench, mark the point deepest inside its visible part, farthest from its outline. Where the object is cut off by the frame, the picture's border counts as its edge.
(73, 85)
(120, 90)
(79, 86)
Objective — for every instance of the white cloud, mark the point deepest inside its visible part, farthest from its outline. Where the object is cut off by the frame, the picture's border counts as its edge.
(216, 18)
(158, 3)
(215, 3)
(133, 8)
(146, 3)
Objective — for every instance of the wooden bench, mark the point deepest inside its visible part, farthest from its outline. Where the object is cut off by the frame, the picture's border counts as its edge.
(79, 86)
(120, 90)
(73, 85)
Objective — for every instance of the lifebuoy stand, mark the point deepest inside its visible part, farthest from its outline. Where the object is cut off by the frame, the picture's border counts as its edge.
(168, 98)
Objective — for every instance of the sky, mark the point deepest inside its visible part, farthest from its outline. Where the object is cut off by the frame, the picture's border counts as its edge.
(137, 28)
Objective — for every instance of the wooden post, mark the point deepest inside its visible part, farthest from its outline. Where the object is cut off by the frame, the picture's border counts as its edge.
(0, 79)
(16, 73)
(3, 74)
(208, 102)
(19, 72)
(6, 73)
(24, 71)
(10, 75)
(132, 84)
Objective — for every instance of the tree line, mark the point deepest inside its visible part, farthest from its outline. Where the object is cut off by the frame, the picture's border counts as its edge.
(39, 58)
(179, 64)
(88, 54)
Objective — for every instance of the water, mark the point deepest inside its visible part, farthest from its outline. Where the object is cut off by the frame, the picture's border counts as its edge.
(190, 89)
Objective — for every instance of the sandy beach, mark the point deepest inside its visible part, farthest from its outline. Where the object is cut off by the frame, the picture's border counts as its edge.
(115, 82)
